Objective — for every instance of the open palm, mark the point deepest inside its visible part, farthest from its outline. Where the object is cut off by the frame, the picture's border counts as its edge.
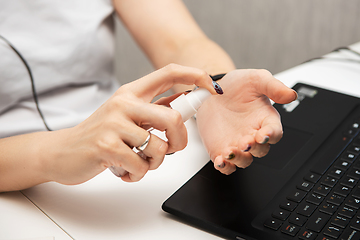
(242, 123)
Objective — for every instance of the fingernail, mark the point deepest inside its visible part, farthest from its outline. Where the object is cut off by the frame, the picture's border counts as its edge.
(231, 156)
(248, 148)
(222, 165)
(296, 95)
(266, 139)
(115, 171)
(170, 153)
(217, 88)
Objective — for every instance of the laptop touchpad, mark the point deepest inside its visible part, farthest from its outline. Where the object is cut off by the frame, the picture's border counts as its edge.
(282, 152)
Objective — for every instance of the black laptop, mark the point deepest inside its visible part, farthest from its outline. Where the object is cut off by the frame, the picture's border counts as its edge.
(307, 187)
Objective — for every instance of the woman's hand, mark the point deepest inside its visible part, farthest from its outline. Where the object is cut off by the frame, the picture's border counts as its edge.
(242, 123)
(107, 137)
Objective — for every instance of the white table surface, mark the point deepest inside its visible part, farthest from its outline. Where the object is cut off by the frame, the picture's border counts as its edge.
(107, 208)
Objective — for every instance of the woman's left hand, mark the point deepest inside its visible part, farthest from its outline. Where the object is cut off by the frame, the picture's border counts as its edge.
(242, 123)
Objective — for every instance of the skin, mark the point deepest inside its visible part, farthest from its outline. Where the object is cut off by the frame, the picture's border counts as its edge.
(179, 41)
(242, 123)
(167, 33)
(75, 155)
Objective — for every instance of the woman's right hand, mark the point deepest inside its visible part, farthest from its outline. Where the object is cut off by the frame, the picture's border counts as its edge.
(107, 137)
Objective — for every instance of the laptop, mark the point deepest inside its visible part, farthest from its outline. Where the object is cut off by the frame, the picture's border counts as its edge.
(307, 187)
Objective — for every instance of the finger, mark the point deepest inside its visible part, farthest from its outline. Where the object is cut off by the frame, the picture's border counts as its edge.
(275, 89)
(163, 79)
(224, 167)
(134, 164)
(131, 134)
(249, 145)
(240, 158)
(163, 119)
(270, 132)
(156, 148)
(155, 151)
(260, 150)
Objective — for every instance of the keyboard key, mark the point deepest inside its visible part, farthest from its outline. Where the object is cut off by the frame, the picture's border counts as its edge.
(332, 231)
(346, 212)
(280, 214)
(356, 164)
(307, 235)
(315, 198)
(290, 229)
(355, 224)
(348, 156)
(340, 221)
(273, 223)
(288, 205)
(317, 221)
(335, 199)
(336, 172)
(356, 193)
(328, 181)
(305, 186)
(323, 237)
(342, 190)
(342, 164)
(353, 148)
(306, 209)
(352, 202)
(348, 182)
(328, 208)
(350, 234)
(297, 219)
(312, 177)
(354, 173)
(356, 124)
(322, 190)
(297, 196)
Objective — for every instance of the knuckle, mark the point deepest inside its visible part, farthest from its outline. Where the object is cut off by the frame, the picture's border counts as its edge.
(155, 163)
(263, 72)
(202, 74)
(107, 144)
(175, 118)
(172, 68)
(257, 74)
(135, 178)
(143, 169)
(162, 149)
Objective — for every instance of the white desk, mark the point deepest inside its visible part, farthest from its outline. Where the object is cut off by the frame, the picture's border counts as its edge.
(107, 208)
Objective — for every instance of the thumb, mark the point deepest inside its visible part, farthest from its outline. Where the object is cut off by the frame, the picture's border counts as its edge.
(278, 91)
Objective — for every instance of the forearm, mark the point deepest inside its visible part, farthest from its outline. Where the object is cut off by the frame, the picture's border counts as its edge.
(167, 33)
(20, 163)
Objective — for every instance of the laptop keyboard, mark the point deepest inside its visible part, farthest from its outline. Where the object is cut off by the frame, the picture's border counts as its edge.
(325, 204)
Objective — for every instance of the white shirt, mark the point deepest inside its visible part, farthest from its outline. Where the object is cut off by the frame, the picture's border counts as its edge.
(69, 45)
